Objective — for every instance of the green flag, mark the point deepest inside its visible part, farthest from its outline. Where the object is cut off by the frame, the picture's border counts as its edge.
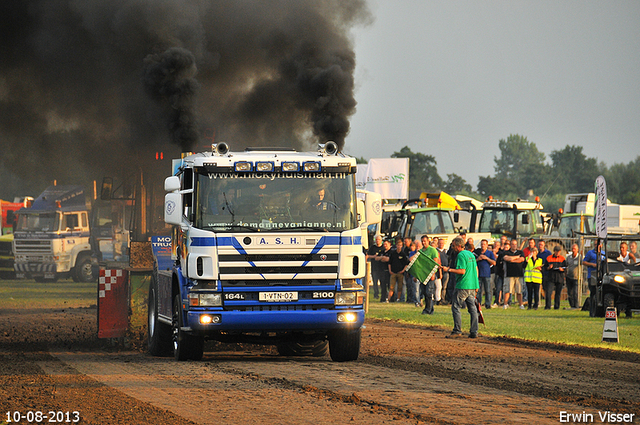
(422, 267)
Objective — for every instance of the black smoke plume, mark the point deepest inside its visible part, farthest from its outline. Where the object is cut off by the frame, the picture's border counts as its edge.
(89, 88)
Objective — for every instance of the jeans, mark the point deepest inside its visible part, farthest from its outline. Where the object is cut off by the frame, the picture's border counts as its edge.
(451, 288)
(485, 286)
(429, 292)
(445, 283)
(498, 292)
(376, 279)
(410, 285)
(384, 286)
(548, 289)
(525, 293)
(572, 292)
(468, 297)
(534, 294)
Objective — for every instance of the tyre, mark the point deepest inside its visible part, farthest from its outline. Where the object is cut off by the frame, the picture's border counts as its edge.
(609, 300)
(185, 346)
(316, 348)
(159, 341)
(83, 269)
(344, 345)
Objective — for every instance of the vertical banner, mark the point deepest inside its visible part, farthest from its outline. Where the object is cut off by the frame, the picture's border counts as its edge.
(387, 176)
(601, 207)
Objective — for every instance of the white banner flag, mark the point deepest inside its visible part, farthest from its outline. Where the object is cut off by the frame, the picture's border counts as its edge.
(601, 207)
(387, 176)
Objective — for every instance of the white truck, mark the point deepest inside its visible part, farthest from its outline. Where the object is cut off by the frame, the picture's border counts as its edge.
(268, 249)
(578, 212)
(51, 238)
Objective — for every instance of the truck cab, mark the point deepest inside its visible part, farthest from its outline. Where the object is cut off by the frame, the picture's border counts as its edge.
(513, 219)
(436, 215)
(51, 239)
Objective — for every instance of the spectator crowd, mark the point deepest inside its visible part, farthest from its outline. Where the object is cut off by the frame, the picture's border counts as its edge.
(503, 274)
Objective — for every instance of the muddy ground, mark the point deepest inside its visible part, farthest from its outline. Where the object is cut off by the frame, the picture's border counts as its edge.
(51, 361)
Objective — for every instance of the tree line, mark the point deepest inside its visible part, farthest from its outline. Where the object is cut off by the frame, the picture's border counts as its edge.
(522, 171)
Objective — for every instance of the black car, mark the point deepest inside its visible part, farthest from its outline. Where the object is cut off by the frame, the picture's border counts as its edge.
(619, 276)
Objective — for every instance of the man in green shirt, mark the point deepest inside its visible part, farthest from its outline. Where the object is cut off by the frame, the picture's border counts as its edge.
(466, 288)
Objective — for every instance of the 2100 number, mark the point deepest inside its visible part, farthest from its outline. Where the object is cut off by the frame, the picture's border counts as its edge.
(323, 295)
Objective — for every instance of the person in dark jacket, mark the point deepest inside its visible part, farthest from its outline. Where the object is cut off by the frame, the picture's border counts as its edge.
(557, 267)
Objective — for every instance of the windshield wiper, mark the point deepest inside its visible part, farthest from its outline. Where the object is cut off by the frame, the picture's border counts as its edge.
(285, 229)
(243, 226)
(227, 226)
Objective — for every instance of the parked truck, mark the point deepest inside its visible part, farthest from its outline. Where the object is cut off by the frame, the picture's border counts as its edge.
(437, 215)
(519, 219)
(577, 217)
(268, 249)
(51, 239)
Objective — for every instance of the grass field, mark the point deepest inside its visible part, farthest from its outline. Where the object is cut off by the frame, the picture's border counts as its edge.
(573, 327)
(62, 294)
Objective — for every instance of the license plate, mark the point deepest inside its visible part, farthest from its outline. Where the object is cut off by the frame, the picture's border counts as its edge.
(278, 296)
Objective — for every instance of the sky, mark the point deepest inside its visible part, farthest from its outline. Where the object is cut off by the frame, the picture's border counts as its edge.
(451, 78)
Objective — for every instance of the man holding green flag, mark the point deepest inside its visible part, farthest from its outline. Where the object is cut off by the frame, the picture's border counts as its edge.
(466, 288)
(424, 264)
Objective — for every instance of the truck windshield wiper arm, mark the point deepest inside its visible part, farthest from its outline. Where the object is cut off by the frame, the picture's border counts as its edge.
(285, 229)
(231, 226)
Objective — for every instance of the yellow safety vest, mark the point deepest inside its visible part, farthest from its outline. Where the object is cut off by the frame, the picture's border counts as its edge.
(531, 274)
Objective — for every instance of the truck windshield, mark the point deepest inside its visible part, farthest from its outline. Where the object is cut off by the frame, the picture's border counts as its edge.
(430, 222)
(497, 221)
(568, 226)
(506, 221)
(275, 202)
(38, 222)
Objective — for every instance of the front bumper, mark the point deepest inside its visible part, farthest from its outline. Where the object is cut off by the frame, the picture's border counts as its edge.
(274, 321)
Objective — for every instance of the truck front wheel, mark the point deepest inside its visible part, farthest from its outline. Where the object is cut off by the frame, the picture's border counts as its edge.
(344, 345)
(185, 346)
(159, 333)
(83, 271)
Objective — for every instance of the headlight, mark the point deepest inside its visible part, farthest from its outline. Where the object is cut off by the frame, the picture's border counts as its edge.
(349, 298)
(264, 167)
(311, 166)
(347, 317)
(618, 279)
(243, 166)
(290, 167)
(205, 300)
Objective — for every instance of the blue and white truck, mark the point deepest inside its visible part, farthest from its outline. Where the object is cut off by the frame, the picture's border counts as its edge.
(268, 249)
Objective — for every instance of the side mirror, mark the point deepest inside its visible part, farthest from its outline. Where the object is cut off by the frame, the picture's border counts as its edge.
(456, 216)
(172, 184)
(373, 207)
(525, 219)
(173, 208)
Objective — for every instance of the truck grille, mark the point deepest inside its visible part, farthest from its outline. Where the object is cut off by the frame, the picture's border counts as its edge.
(281, 269)
(28, 246)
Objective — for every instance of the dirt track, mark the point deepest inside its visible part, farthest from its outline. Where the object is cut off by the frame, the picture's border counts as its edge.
(406, 374)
